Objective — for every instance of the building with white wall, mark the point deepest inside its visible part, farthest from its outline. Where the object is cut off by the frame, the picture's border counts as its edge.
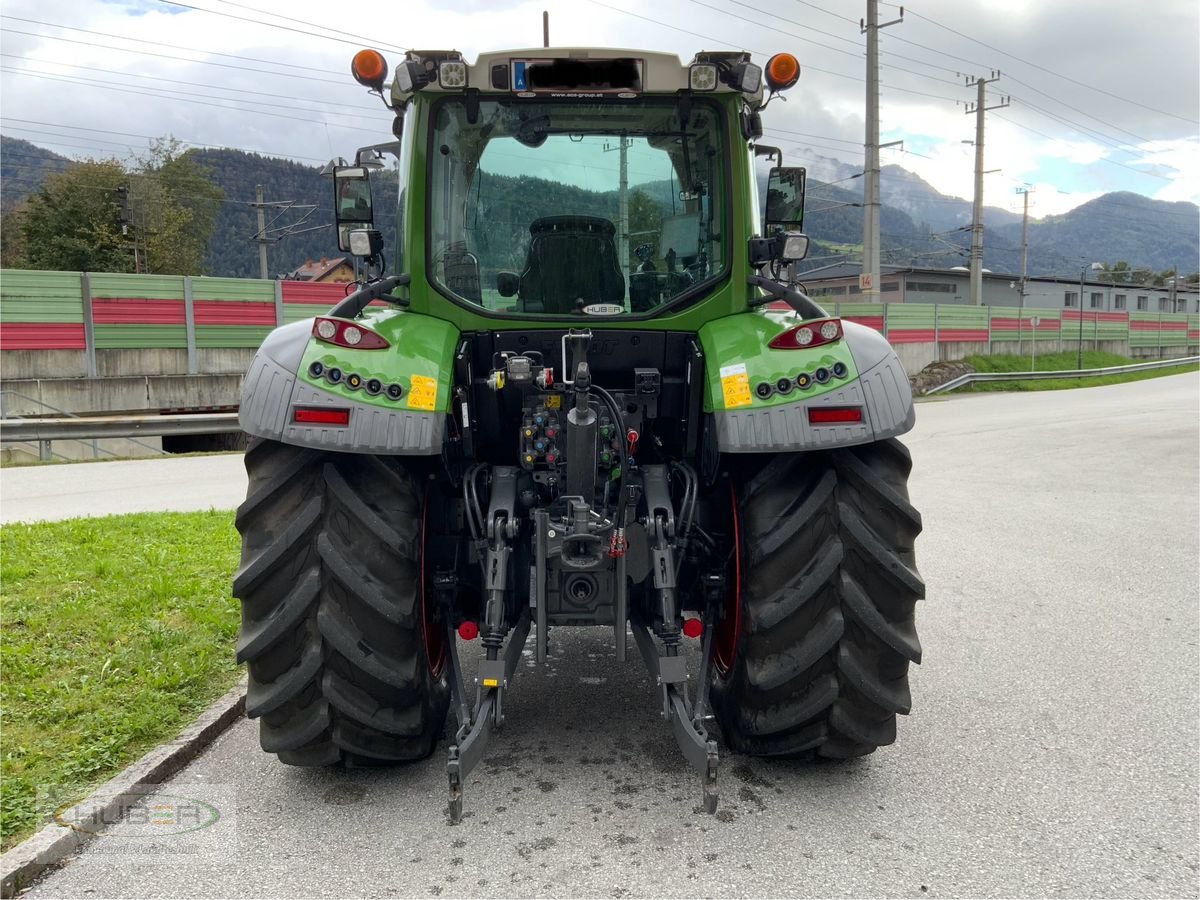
(910, 284)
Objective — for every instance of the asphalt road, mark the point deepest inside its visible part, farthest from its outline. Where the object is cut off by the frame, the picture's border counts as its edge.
(1052, 751)
(166, 484)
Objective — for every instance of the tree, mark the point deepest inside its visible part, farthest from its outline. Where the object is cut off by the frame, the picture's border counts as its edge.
(174, 207)
(645, 221)
(72, 222)
(100, 217)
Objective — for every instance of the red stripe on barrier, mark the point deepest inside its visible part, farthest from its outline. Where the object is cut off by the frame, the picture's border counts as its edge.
(948, 335)
(221, 312)
(910, 335)
(115, 311)
(1194, 335)
(42, 336)
(316, 293)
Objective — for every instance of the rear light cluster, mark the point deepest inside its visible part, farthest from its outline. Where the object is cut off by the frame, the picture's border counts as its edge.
(373, 386)
(802, 382)
(808, 335)
(342, 333)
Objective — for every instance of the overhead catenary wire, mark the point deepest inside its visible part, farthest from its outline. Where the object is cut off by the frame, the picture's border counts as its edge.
(198, 84)
(307, 32)
(367, 41)
(147, 93)
(270, 62)
(150, 137)
(1049, 71)
(174, 93)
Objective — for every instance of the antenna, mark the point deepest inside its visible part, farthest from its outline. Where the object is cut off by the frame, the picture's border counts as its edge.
(545, 28)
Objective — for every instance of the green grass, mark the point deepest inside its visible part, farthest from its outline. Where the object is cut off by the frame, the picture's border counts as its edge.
(116, 633)
(1057, 362)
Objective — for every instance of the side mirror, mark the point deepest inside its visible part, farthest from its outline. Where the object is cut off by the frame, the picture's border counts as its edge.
(351, 202)
(785, 199)
(508, 283)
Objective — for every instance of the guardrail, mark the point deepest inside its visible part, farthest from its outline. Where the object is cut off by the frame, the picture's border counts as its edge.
(86, 427)
(970, 377)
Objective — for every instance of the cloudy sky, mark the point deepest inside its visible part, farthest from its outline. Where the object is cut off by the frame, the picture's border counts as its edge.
(1105, 95)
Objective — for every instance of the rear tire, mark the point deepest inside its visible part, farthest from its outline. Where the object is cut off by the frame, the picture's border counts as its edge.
(333, 619)
(825, 629)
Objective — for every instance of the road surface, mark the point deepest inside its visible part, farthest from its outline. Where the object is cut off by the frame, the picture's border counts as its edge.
(1052, 750)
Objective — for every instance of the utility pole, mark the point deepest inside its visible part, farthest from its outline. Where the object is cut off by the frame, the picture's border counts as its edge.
(979, 107)
(868, 280)
(1025, 192)
(261, 235)
(623, 202)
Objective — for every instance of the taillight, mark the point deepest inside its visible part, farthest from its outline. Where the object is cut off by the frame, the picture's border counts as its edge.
(810, 334)
(347, 334)
(834, 415)
(317, 415)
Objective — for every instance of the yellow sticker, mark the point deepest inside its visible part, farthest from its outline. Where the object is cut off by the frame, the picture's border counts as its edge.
(735, 385)
(423, 393)
(491, 682)
(554, 401)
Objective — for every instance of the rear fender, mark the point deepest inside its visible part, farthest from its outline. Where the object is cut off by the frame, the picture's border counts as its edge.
(740, 364)
(419, 359)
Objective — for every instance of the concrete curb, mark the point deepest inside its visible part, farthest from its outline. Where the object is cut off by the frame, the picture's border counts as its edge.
(55, 843)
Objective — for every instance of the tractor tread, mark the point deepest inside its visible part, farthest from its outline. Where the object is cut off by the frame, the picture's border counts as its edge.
(331, 627)
(829, 594)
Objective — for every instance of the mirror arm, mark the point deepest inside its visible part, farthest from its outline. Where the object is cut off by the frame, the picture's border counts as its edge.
(801, 303)
(376, 290)
(769, 152)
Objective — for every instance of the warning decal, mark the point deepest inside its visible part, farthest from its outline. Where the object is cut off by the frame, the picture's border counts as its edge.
(423, 393)
(735, 386)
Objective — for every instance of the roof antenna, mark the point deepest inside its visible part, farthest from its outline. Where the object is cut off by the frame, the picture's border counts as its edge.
(545, 28)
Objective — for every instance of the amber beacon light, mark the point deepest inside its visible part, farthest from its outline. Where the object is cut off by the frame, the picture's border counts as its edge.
(369, 69)
(783, 71)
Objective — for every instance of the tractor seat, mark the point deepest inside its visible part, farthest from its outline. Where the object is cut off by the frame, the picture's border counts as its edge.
(571, 259)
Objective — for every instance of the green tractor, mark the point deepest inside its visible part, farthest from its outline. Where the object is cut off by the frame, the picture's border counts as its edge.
(582, 390)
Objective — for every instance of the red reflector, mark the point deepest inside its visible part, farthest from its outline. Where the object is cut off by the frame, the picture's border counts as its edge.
(693, 628)
(834, 415)
(307, 415)
(468, 631)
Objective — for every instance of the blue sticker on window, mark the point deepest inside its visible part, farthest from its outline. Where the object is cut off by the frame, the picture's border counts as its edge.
(518, 76)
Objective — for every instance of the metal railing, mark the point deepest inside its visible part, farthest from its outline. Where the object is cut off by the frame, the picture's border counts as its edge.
(85, 427)
(972, 377)
(43, 450)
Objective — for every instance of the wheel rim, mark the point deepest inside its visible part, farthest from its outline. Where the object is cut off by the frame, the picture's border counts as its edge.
(435, 636)
(725, 641)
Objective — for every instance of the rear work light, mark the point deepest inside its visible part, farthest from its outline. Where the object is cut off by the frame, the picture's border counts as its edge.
(834, 415)
(810, 334)
(318, 415)
(347, 334)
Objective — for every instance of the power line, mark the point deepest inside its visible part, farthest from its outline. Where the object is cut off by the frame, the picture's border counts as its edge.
(213, 87)
(175, 92)
(370, 42)
(121, 37)
(145, 93)
(155, 137)
(1052, 72)
(307, 32)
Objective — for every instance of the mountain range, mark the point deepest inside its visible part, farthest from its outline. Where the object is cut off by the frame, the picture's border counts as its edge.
(919, 225)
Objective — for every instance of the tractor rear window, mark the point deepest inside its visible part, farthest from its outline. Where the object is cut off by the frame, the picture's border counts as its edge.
(579, 209)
